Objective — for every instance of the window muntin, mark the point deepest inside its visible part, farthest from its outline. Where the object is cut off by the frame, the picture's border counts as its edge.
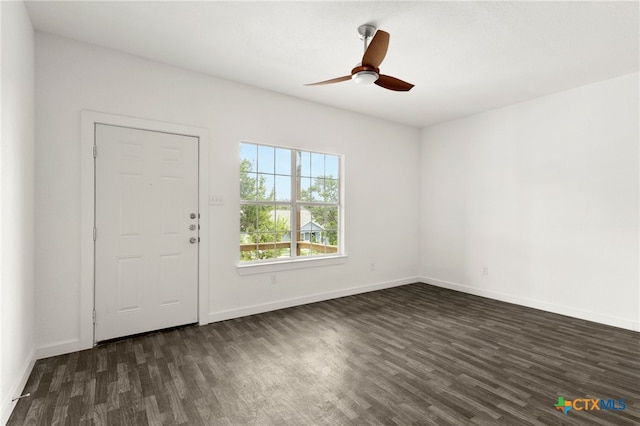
(287, 193)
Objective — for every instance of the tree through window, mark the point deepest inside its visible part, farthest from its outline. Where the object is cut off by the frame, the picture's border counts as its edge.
(289, 203)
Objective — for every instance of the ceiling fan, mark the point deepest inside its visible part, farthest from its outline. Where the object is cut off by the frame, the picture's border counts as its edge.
(367, 71)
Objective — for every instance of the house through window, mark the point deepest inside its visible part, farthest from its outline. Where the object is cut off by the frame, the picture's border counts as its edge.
(289, 203)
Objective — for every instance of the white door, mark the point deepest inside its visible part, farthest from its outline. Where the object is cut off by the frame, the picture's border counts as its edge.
(146, 218)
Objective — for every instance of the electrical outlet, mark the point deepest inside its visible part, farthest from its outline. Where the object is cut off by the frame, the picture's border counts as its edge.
(273, 279)
(485, 270)
(372, 266)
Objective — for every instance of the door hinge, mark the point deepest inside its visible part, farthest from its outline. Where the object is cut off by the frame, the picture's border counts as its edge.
(94, 317)
(94, 233)
(95, 151)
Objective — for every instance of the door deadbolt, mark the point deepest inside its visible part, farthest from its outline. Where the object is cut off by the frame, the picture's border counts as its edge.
(192, 227)
(192, 215)
(193, 240)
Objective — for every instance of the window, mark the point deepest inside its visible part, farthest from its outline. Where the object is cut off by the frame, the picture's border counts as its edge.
(289, 203)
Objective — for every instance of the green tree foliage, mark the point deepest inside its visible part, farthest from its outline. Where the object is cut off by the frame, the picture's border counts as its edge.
(258, 223)
(253, 218)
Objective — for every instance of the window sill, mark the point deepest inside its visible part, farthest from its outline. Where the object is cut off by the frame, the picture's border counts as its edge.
(285, 265)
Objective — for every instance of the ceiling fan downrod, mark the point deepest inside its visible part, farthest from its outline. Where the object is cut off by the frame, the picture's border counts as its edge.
(366, 33)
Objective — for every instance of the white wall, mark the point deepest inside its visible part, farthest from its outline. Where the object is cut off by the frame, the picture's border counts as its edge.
(17, 212)
(545, 195)
(382, 178)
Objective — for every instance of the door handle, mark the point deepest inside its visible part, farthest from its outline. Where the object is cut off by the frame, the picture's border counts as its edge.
(193, 240)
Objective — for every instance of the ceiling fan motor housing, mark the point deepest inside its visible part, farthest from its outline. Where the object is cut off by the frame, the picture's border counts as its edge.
(363, 74)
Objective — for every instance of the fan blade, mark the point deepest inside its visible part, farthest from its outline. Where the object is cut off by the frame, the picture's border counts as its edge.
(333, 80)
(377, 49)
(393, 83)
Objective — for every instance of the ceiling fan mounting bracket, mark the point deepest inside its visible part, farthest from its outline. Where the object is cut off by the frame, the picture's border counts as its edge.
(366, 31)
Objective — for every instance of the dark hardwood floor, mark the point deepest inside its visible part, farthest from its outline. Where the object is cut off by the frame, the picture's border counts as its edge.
(414, 354)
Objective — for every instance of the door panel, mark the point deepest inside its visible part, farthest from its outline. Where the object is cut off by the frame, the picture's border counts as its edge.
(145, 266)
(129, 284)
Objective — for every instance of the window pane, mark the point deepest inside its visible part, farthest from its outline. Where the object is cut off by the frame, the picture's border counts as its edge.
(331, 191)
(326, 217)
(302, 237)
(266, 156)
(247, 254)
(249, 251)
(318, 185)
(317, 230)
(304, 163)
(266, 187)
(283, 161)
(263, 219)
(248, 222)
(332, 240)
(283, 232)
(255, 218)
(248, 157)
(283, 188)
(270, 226)
(266, 245)
(283, 253)
(317, 165)
(331, 166)
(248, 185)
(306, 189)
(283, 222)
(247, 246)
(304, 216)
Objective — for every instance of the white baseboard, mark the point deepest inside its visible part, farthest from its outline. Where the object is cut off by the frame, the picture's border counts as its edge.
(76, 345)
(16, 389)
(537, 304)
(69, 346)
(59, 349)
(297, 301)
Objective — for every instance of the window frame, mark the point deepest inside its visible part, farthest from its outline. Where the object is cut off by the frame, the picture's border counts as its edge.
(295, 261)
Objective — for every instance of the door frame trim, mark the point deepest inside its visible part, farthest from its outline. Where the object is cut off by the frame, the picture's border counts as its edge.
(88, 120)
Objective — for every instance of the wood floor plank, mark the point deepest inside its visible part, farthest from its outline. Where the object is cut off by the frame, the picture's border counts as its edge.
(415, 354)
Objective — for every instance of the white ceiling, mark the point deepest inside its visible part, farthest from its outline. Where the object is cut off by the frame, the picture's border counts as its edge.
(463, 57)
